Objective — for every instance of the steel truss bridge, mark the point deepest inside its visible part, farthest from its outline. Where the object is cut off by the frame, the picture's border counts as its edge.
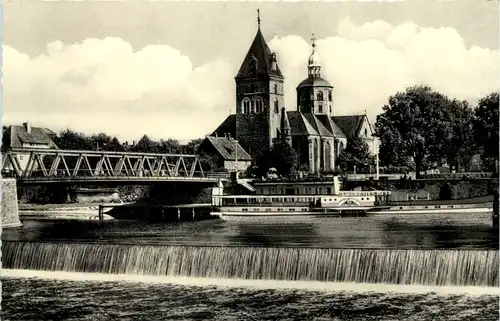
(39, 165)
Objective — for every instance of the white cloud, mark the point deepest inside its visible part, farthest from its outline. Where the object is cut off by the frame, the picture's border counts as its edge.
(105, 85)
(368, 63)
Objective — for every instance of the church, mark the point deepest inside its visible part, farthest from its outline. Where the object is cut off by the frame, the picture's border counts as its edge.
(313, 129)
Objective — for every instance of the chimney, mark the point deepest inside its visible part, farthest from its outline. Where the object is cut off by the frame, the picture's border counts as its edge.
(27, 127)
(133, 143)
(216, 135)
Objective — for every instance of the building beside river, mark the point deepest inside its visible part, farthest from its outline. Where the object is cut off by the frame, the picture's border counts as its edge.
(313, 129)
(25, 136)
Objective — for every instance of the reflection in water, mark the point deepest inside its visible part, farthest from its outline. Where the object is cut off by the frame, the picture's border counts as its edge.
(275, 234)
(423, 231)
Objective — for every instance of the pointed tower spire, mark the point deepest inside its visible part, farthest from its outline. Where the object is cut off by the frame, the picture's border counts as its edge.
(286, 130)
(258, 18)
(259, 61)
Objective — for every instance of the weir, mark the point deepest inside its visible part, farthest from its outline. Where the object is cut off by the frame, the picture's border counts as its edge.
(416, 267)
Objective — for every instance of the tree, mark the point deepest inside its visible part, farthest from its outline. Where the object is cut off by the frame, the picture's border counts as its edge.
(144, 145)
(101, 142)
(69, 139)
(460, 147)
(414, 125)
(170, 146)
(115, 145)
(485, 126)
(283, 157)
(357, 153)
(191, 148)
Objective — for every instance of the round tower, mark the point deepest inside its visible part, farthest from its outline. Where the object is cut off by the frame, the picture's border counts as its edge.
(315, 94)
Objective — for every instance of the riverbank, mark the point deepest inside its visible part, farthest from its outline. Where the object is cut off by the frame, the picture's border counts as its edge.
(70, 211)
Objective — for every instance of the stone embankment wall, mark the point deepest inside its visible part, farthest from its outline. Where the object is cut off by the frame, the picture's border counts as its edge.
(9, 210)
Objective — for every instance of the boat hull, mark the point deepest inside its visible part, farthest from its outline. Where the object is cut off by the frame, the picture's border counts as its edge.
(229, 213)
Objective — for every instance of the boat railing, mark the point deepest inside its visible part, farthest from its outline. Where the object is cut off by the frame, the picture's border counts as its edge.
(364, 193)
(291, 200)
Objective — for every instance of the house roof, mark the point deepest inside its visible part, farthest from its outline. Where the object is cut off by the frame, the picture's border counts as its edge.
(318, 126)
(314, 82)
(331, 126)
(228, 148)
(261, 54)
(228, 126)
(300, 125)
(15, 136)
(350, 125)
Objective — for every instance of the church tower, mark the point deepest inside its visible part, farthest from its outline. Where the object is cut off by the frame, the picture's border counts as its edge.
(259, 97)
(314, 94)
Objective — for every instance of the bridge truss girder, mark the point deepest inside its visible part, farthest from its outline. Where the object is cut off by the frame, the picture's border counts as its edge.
(52, 163)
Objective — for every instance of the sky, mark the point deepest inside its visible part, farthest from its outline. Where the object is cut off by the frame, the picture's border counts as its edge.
(166, 69)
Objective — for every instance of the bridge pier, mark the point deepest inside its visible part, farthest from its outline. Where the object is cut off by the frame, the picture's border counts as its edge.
(10, 209)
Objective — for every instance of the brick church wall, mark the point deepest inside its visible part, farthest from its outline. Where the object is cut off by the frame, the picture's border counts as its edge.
(253, 133)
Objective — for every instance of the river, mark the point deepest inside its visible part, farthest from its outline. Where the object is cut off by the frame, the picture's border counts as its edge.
(421, 267)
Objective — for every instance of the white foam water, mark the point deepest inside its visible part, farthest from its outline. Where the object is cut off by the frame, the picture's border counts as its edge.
(328, 287)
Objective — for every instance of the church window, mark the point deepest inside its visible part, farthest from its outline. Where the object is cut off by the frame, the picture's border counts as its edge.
(330, 96)
(246, 105)
(258, 105)
(330, 109)
(320, 95)
(320, 109)
(366, 132)
(275, 88)
(276, 107)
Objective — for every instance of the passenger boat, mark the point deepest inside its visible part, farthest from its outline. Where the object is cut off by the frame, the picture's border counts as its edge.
(339, 203)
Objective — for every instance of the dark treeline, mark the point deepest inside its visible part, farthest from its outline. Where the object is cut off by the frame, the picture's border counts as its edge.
(69, 139)
(421, 129)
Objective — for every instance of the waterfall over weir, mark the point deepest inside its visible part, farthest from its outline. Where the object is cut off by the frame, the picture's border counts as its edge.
(420, 267)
